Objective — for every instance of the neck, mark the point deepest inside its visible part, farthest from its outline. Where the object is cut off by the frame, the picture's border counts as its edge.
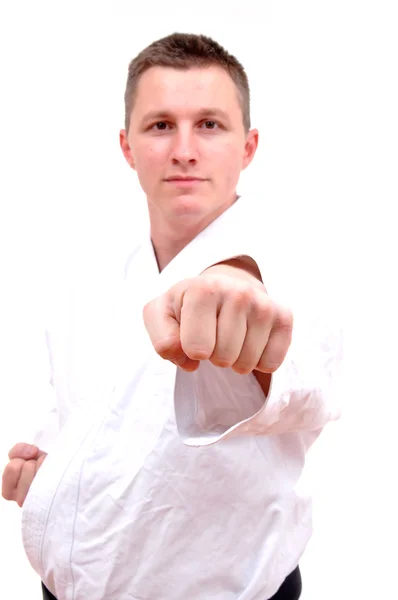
(170, 237)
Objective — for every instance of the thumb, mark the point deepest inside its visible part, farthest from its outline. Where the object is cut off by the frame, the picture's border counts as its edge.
(161, 319)
(26, 451)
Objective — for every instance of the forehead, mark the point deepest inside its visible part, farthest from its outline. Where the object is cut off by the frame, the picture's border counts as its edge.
(165, 88)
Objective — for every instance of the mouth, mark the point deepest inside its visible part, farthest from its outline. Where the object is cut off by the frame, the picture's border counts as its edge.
(184, 181)
(177, 178)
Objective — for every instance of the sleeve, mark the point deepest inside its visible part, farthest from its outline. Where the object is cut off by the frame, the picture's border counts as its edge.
(214, 404)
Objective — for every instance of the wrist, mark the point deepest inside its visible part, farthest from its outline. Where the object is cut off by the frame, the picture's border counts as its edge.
(241, 267)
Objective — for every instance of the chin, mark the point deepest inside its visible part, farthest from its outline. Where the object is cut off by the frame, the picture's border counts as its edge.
(189, 205)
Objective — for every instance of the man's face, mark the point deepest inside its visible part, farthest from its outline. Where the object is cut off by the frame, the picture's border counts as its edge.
(187, 141)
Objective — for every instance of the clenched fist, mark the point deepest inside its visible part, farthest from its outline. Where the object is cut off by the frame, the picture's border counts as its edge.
(224, 315)
(25, 460)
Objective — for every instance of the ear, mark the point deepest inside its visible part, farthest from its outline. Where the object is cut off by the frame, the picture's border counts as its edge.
(250, 147)
(125, 146)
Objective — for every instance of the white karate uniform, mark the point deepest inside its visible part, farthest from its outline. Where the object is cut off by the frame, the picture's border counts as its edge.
(166, 485)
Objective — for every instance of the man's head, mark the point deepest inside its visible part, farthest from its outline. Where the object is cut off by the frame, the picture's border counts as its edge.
(187, 115)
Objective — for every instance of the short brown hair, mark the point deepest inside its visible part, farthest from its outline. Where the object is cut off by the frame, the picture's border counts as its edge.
(183, 51)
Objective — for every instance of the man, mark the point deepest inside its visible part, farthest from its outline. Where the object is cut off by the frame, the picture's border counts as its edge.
(182, 484)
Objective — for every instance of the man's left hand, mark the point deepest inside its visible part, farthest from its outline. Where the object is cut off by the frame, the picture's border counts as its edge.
(225, 316)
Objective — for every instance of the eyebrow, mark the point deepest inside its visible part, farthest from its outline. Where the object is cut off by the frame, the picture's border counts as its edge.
(157, 115)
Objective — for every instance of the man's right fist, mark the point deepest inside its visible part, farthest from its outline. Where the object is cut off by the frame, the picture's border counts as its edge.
(25, 460)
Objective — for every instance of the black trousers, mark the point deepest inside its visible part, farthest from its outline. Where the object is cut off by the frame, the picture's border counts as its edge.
(289, 590)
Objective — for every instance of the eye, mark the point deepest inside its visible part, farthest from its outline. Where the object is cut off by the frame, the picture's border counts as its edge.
(159, 126)
(210, 124)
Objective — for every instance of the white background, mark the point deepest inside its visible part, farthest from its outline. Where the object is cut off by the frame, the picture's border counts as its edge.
(324, 97)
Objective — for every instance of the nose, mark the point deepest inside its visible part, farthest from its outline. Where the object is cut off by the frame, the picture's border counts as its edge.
(184, 149)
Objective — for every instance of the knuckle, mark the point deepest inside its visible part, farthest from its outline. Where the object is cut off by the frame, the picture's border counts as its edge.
(17, 451)
(14, 450)
(203, 288)
(272, 359)
(13, 469)
(263, 308)
(269, 366)
(285, 320)
(167, 348)
(221, 361)
(243, 368)
(161, 348)
(197, 352)
(243, 297)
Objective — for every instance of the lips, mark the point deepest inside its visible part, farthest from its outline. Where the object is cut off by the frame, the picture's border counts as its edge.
(184, 179)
